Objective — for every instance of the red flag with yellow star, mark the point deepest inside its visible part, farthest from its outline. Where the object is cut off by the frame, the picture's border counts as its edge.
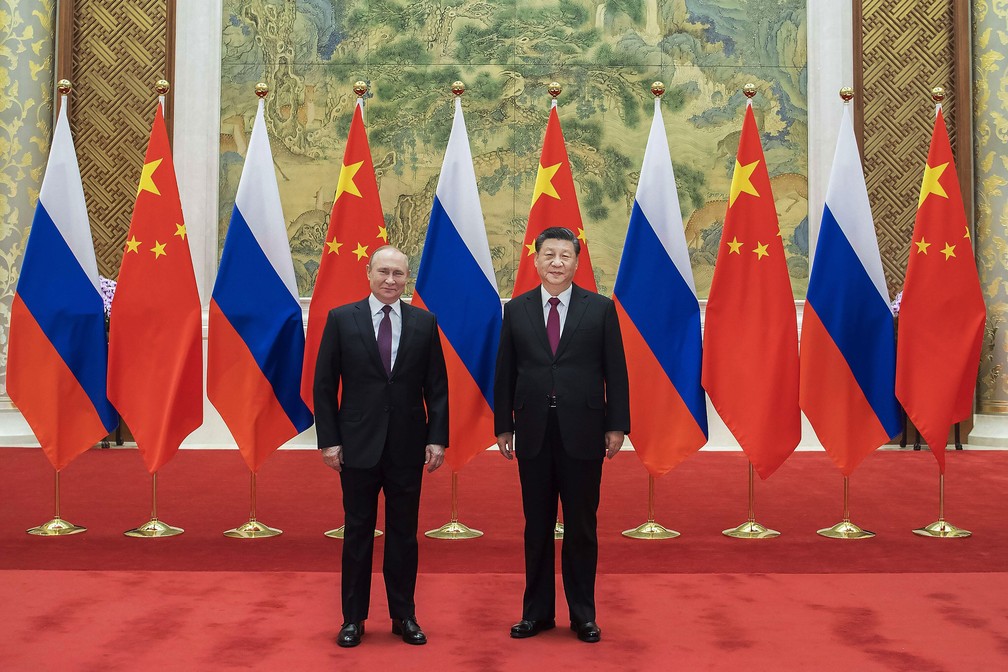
(554, 203)
(356, 230)
(750, 344)
(942, 314)
(155, 369)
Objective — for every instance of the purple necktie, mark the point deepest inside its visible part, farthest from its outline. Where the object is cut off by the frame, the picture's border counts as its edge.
(385, 339)
(553, 324)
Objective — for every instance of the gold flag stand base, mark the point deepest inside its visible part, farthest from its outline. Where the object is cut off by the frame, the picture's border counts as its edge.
(751, 530)
(57, 527)
(845, 529)
(941, 529)
(253, 529)
(651, 529)
(338, 533)
(558, 530)
(154, 528)
(453, 529)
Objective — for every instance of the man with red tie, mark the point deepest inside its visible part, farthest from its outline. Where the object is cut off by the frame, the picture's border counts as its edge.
(381, 414)
(561, 404)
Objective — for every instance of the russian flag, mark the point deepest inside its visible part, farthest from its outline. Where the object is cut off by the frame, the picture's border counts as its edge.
(57, 355)
(660, 318)
(456, 281)
(256, 336)
(848, 342)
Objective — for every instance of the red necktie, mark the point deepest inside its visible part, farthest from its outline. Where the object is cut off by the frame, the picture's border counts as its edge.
(553, 324)
(385, 339)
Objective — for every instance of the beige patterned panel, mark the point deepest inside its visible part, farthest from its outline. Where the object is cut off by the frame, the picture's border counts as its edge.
(907, 49)
(990, 102)
(26, 116)
(118, 54)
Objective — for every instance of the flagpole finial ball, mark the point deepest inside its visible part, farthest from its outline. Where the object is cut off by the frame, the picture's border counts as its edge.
(657, 89)
(847, 94)
(262, 90)
(360, 88)
(749, 90)
(162, 86)
(64, 87)
(937, 94)
(458, 87)
(554, 89)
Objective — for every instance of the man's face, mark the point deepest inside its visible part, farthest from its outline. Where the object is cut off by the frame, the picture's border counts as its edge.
(387, 274)
(556, 262)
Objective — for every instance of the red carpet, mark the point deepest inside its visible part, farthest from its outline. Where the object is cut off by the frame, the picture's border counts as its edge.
(200, 601)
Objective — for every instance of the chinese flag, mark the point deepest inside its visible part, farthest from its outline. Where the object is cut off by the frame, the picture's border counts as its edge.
(941, 317)
(554, 203)
(356, 230)
(750, 344)
(155, 376)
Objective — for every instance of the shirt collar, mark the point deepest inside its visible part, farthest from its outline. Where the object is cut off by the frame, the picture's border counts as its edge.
(376, 305)
(564, 296)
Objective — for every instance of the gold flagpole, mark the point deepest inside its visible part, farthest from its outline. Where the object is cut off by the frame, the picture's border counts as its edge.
(453, 529)
(651, 529)
(360, 89)
(845, 529)
(942, 529)
(751, 529)
(253, 529)
(154, 528)
(57, 527)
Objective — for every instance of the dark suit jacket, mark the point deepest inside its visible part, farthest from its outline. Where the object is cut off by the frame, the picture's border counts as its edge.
(410, 409)
(588, 375)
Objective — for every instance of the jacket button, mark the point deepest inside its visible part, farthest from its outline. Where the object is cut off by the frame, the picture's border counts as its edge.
(556, 366)
(386, 409)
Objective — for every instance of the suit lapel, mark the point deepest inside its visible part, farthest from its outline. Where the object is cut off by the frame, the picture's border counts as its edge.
(575, 311)
(534, 311)
(362, 316)
(409, 318)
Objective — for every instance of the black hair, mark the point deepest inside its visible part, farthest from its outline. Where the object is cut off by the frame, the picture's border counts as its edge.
(558, 233)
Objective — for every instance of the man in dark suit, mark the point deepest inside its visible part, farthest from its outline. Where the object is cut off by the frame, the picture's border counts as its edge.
(561, 403)
(381, 414)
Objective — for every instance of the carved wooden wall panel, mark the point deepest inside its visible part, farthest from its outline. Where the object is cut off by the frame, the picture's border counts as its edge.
(902, 49)
(113, 52)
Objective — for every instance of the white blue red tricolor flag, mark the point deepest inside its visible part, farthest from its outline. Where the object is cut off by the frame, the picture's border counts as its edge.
(256, 338)
(660, 318)
(456, 281)
(848, 341)
(57, 356)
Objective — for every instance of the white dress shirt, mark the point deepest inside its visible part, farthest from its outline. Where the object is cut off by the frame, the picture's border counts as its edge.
(564, 297)
(395, 316)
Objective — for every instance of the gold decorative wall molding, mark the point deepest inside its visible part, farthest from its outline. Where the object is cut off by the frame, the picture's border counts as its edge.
(113, 52)
(901, 50)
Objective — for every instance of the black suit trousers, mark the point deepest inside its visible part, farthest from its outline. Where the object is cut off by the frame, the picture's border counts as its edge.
(401, 485)
(552, 472)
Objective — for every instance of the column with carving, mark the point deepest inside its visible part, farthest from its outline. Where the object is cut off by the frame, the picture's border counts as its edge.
(990, 79)
(26, 119)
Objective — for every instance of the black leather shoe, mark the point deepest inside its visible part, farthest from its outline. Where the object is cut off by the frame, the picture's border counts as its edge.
(526, 628)
(350, 635)
(408, 629)
(587, 632)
